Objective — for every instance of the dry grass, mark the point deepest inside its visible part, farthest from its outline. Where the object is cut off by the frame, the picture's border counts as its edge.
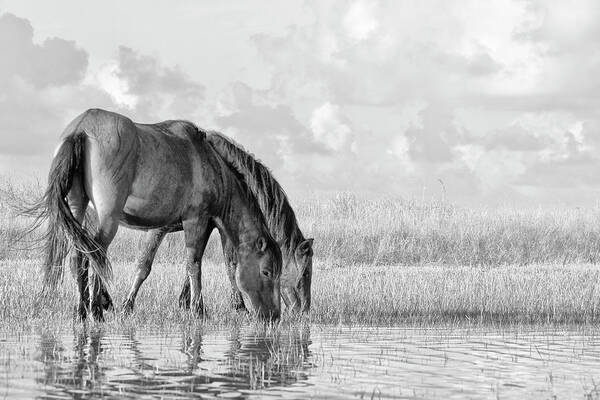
(351, 230)
(360, 294)
(376, 261)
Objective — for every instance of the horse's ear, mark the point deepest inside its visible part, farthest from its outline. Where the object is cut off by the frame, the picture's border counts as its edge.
(305, 246)
(261, 244)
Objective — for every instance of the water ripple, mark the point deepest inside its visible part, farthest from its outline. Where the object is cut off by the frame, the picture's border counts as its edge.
(320, 362)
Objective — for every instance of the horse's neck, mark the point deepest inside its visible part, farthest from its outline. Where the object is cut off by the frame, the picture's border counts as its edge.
(237, 218)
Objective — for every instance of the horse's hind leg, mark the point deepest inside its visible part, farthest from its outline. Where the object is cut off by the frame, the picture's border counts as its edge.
(152, 241)
(78, 202)
(107, 229)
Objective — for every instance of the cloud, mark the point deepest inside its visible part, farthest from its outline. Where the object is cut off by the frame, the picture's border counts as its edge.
(32, 119)
(432, 141)
(316, 153)
(376, 95)
(503, 88)
(572, 161)
(515, 138)
(153, 90)
(360, 21)
(44, 86)
(382, 53)
(53, 63)
(329, 128)
(269, 130)
(109, 80)
(41, 88)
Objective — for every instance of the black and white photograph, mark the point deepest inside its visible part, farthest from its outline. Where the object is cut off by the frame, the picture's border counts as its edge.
(300, 199)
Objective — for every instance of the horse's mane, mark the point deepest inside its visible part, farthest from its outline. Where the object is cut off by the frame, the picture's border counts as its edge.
(271, 197)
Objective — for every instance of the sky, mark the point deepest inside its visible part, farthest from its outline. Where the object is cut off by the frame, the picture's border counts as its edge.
(478, 101)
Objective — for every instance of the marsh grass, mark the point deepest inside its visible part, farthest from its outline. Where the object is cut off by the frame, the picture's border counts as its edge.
(349, 229)
(363, 295)
(376, 261)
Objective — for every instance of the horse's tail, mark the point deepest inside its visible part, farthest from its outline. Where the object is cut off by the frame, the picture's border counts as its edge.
(63, 231)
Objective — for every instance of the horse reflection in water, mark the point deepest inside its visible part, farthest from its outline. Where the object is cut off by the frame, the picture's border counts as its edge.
(77, 375)
(243, 358)
(263, 358)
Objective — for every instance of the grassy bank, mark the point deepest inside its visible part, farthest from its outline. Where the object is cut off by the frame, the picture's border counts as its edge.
(351, 230)
(376, 261)
(354, 294)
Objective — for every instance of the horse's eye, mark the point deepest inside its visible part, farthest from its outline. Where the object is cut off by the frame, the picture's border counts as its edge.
(266, 273)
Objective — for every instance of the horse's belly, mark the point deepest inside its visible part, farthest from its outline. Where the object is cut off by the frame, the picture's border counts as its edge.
(152, 212)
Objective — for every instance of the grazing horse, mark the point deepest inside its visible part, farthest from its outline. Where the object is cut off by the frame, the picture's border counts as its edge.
(161, 176)
(296, 250)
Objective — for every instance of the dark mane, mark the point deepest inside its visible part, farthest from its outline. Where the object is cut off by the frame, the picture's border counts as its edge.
(272, 200)
(249, 197)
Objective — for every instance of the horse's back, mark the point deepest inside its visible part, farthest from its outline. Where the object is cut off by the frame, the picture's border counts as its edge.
(117, 139)
(108, 126)
(161, 168)
(176, 127)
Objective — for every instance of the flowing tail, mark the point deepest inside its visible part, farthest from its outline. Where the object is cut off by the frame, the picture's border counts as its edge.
(63, 231)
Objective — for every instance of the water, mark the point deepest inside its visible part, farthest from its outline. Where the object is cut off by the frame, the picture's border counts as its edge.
(318, 362)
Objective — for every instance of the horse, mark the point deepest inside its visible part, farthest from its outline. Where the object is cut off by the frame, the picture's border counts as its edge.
(281, 220)
(162, 176)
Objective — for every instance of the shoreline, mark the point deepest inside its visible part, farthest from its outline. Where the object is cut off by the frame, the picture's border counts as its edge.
(352, 295)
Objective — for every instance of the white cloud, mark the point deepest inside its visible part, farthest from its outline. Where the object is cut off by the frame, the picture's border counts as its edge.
(43, 88)
(491, 96)
(160, 91)
(328, 128)
(400, 148)
(108, 79)
(360, 21)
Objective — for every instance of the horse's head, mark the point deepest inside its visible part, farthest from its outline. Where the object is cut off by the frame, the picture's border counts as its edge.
(257, 276)
(296, 284)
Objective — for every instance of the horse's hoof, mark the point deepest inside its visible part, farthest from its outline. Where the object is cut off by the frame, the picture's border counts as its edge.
(127, 308)
(106, 301)
(184, 300)
(237, 302)
(80, 313)
(199, 309)
(98, 312)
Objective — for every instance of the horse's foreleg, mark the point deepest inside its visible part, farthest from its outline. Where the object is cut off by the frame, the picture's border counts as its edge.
(237, 302)
(197, 231)
(229, 255)
(230, 264)
(184, 296)
(152, 241)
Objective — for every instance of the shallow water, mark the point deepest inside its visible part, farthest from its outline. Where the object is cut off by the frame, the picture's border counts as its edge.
(303, 362)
